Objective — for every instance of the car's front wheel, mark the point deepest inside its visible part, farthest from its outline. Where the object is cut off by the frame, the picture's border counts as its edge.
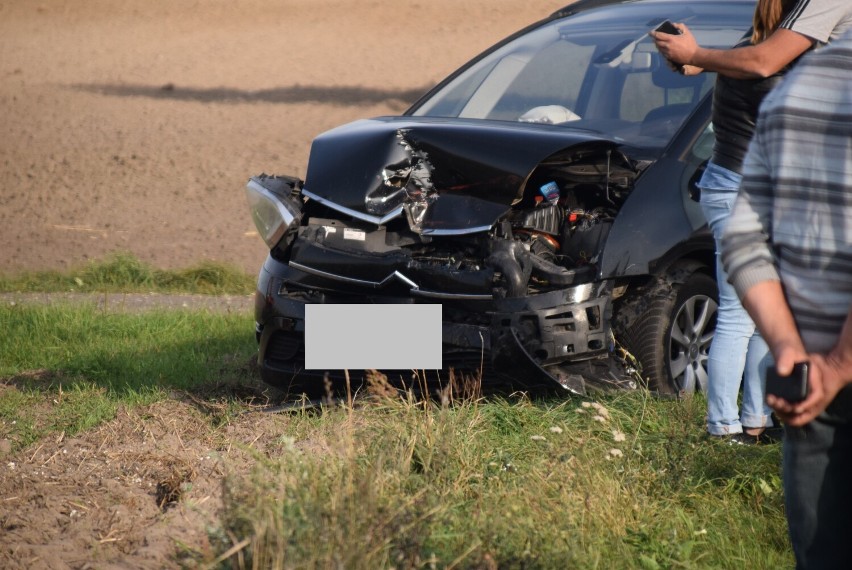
(671, 333)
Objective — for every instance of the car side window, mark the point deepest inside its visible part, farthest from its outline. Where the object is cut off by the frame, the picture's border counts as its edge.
(703, 147)
(697, 159)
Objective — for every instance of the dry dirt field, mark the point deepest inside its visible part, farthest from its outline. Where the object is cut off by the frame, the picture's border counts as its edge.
(133, 125)
(140, 492)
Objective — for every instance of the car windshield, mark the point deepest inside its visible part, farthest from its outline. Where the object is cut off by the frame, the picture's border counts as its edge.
(596, 70)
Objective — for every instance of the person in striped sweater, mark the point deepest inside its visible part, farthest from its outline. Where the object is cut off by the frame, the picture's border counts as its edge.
(787, 250)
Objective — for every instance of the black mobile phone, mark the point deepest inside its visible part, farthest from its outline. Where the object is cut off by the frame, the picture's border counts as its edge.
(668, 28)
(793, 388)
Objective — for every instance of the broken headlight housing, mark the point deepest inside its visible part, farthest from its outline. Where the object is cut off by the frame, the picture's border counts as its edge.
(275, 211)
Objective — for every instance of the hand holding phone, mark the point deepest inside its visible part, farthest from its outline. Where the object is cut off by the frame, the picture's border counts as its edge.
(793, 388)
(668, 28)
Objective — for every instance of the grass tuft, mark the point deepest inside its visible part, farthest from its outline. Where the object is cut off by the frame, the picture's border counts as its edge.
(618, 483)
(124, 273)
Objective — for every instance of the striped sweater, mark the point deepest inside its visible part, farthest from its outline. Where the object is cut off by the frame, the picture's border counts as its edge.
(792, 219)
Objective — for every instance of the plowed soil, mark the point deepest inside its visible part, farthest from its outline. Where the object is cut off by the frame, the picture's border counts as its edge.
(133, 126)
(141, 491)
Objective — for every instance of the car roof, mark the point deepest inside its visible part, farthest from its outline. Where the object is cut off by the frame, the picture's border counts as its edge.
(581, 5)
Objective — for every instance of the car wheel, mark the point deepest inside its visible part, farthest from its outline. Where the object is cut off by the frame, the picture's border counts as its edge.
(671, 335)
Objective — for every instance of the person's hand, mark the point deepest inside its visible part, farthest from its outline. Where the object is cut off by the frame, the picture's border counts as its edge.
(691, 70)
(787, 354)
(677, 48)
(684, 69)
(674, 67)
(825, 380)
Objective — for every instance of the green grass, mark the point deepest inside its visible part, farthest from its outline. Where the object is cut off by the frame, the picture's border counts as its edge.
(124, 273)
(92, 361)
(511, 485)
(626, 481)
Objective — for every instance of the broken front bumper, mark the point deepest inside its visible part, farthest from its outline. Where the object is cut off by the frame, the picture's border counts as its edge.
(541, 342)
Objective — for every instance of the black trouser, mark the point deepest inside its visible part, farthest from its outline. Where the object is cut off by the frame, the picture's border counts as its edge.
(818, 487)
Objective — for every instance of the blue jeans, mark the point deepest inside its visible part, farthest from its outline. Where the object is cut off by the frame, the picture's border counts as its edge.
(817, 461)
(738, 354)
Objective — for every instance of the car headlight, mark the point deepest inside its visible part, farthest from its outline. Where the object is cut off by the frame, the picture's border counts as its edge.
(275, 215)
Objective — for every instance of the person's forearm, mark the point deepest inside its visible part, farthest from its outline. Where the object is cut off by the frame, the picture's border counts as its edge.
(829, 374)
(841, 355)
(762, 60)
(768, 307)
(739, 63)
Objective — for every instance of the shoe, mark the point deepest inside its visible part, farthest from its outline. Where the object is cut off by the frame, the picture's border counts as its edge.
(772, 434)
(736, 438)
(766, 437)
(742, 439)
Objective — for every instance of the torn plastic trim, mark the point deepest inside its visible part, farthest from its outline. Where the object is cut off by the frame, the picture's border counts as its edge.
(579, 293)
(512, 356)
(378, 220)
(395, 213)
(456, 232)
(415, 289)
(451, 296)
(352, 280)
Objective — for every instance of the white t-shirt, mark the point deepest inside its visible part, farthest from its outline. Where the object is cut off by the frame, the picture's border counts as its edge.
(820, 20)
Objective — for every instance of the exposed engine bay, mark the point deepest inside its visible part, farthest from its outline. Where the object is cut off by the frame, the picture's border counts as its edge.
(513, 260)
(549, 234)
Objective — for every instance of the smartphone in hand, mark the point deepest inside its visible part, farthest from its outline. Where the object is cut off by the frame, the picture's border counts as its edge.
(793, 388)
(668, 28)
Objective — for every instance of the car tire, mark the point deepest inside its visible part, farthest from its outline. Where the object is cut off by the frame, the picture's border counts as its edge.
(671, 334)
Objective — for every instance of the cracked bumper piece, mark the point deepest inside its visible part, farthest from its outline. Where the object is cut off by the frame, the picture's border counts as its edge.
(519, 341)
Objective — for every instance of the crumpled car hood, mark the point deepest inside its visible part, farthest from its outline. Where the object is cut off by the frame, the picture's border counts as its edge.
(448, 177)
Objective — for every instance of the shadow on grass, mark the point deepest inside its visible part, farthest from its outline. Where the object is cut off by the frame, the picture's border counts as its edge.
(123, 353)
(219, 375)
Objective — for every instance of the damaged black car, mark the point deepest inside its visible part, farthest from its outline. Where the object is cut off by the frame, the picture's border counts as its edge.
(544, 195)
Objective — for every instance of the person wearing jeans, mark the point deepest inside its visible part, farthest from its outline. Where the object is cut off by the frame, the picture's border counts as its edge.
(738, 353)
(782, 31)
